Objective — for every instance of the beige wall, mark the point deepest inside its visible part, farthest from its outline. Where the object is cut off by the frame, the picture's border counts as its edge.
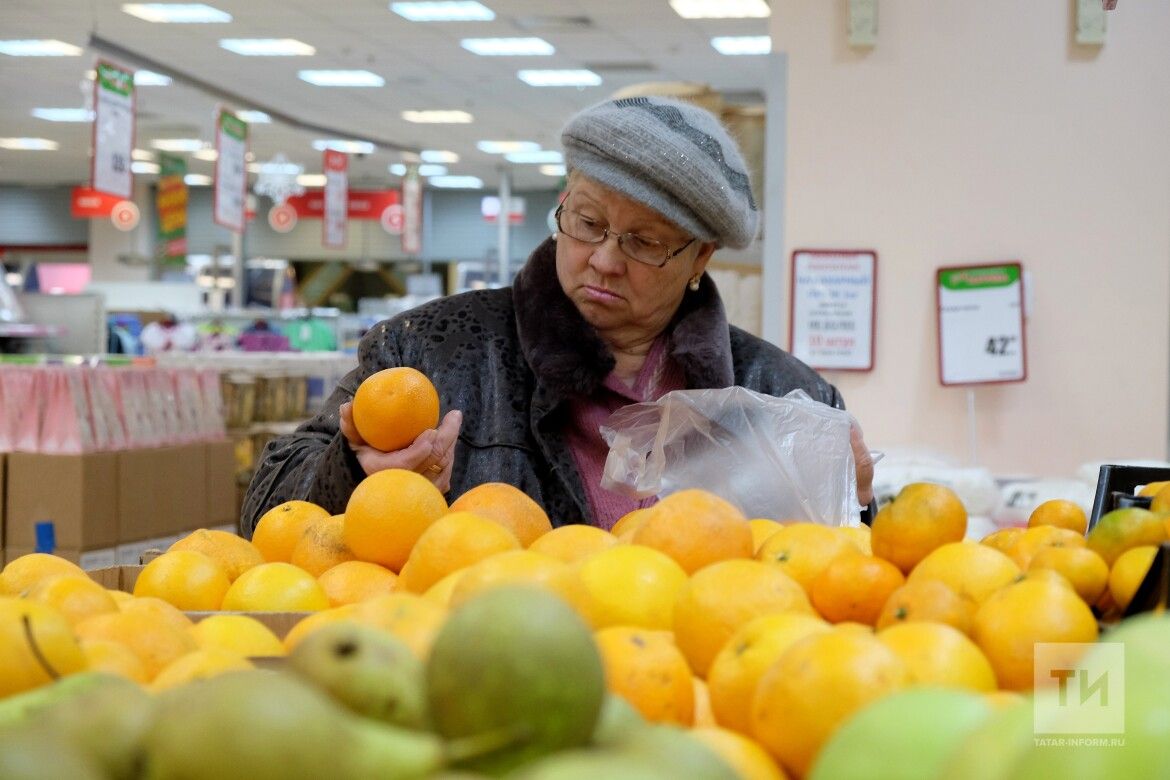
(978, 131)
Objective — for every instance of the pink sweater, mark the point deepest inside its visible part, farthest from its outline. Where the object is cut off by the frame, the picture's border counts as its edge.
(659, 375)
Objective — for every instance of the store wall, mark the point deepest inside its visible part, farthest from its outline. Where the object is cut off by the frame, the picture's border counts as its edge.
(38, 216)
(978, 131)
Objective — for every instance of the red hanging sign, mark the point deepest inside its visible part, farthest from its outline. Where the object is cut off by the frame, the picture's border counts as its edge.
(368, 204)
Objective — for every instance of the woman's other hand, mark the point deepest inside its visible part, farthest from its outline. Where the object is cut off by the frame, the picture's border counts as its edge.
(431, 454)
(864, 461)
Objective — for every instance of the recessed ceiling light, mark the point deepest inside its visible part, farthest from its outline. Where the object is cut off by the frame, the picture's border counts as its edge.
(267, 47)
(503, 147)
(148, 78)
(341, 145)
(197, 180)
(177, 13)
(142, 154)
(29, 144)
(552, 170)
(206, 153)
(254, 117)
(63, 114)
(398, 169)
(508, 47)
(177, 144)
(438, 117)
(444, 11)
(311, 180)
(559, 78)
(142, 166)
(431, 169)
(544, 157)
(457, 182)
(41, 48)
(742, 44)
(341, 78)
(721, 9)
(438, 156)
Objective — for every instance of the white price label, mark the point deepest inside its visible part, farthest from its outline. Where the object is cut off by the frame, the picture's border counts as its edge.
(981, 325)
(832, 308)
(113, 131)
(335, 222)
(231, 173)
(412, 212)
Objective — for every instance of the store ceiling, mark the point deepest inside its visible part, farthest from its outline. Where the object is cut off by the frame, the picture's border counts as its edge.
(625, 41)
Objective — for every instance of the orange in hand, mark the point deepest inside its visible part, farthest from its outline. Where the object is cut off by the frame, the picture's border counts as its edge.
(393, 406)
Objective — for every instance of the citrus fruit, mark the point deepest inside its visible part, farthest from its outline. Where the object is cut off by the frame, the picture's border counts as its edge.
(156, 642)
(762, 528)
(393, 406)
(628, 523)
(571, 543)
(1060, 513)
(240, 634)
(387, 513)
(855, 587)
(1153, 488)
(1121, 529)
(646, 669)
(56, 651)
(186, 579)
(1085, 570)
(629, 585)
(234, 554)
(158, 610)
(704, 715)
(513, 566)
(927, 600)
(198, 665)
(275, 587)
(75, 596)
(455, 540)
(803, 550)
(974, 571)
(1161, 501)
(860, 536)
(509, 506)
(322, 546)
(1003, 539)
(440, 593)
(1128, 571)
(746, 757)
(22, 573)
(315, 620)
(1039, 537)
(940, 655)
(921, 518)
(412, 619)
(721, 597)
(695, 528)
(279, 529)
(106, 655)
(352, 581)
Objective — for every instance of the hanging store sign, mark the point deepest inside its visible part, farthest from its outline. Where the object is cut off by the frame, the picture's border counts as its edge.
(125, 215)
(981, 324)
(86, 203)
(489, 207)
(335, 223)
(171, 204)
(832, 308)
(361, 204)
(412, 212)
(282, 218)
(113, 130)
(231, 178)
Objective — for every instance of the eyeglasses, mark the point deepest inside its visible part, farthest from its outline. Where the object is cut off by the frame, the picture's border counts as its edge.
(647, 251)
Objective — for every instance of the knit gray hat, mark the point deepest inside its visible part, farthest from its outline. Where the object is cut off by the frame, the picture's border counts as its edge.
(674, 157)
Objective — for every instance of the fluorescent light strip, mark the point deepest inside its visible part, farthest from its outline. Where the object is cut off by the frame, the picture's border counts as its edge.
(431, 169)
(438, 156)
(254, 117)
(29, 144)
(553, 170)
(742, 44)
(284, 169)
(456, 182)
(63, 114)
(504, 147)
(197, 180)
(544, 157)
(311, 180)
(177, 13)
(267, 47)
(148, 78)
(397, 169)
(141, 166)
(341, 78)
(721, 9)
(340, 145)
(142, 154)
(559, 78)
(444, 11)
(39, 48)
(438, 117)
(177, 144)
(206, 153)
(508, 47)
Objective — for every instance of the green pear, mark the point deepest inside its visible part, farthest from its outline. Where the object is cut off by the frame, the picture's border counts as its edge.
(588, 764)
(618, 721)
(30, 752)
(673, 751)
(991, 750)
(17, 708)
(368, 671)
(264, 725)
(513, 675)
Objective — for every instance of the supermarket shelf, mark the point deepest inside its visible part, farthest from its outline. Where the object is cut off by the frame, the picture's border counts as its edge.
(19, 330)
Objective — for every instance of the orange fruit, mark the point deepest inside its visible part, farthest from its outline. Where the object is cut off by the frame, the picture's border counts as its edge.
(722, 597)
(455, 540)
(1037, 574)
(352, 581)
(1014, 619)
(974, 571)
(1127, 573)
(234, 554)
(412, 619)
(393, 406)
(387, 513)
(322, 546)
(743, 755)
(198, 665)
(855, 587)
(240, 634)
(22, 573)
(513, 566)
(921, 518)
(157, 610)
(441, 592)
(1060, 513)
(275, 587)
(1085, 570)
(56, 650)
(1034, 539)
(1161, 502)
(315, 620)
(803, 550)
(571, 543)
(75, 596)
(704, 715)
(815, 686)
(859, 535)
(746, 656)
(927, 600)
(189, 580)
(1003, 539)
(279, 529)
(629, 585)
(509, 506)
(105, 655)
(938, 654)
(646, 669)
(1122, 529)
(695, 528)
(1153, 488)
(762, 528)
(628, 523)
(156, 643)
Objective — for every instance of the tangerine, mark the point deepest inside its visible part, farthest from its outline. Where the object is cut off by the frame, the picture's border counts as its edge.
(351, 581)
(393, 406)
(186, 579)
(855, 587)
(455, 540)
(234, 554)
(322, 546)
(275, 587)
(387, 513)
(921, 518)
(803, 550)
(1060, 513)
(279, 529)
(646, 669)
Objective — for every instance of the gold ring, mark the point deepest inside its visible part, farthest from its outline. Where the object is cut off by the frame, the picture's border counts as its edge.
(435, 468)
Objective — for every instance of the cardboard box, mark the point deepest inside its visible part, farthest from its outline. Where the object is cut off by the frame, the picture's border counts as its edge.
(3, 501)
(161, 491)
(222, 508)
(139, 495)
(86, 559)
(77, 494)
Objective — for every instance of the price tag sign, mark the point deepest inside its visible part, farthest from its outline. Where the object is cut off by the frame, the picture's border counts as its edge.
(231, 175)
(336, 217)
(981, 324)
(412, 212)
(113, 130)
(832, 308)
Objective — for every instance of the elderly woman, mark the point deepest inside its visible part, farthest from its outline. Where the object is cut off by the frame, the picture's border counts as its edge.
(612, 310)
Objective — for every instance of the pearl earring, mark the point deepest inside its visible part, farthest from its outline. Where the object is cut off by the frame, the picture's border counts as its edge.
(694, 283)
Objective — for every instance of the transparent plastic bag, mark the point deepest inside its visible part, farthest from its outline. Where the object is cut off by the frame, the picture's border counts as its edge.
(779, 458)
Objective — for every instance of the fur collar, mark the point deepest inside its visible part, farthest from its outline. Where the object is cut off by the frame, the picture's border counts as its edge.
(569, 357)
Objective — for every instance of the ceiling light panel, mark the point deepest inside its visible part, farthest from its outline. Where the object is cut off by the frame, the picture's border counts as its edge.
(559, 78)
(341, 145)
(444, 12)
(41, 48)
(438, 117)
(341, 78)
(197, 180)
(430, 169)
(721, 9)
(742, 44)
(438, 156)
(177, 144)
(457, 182)
(397, 169)
(142, 154)
(148, 78)
(254, 117)
(544, 157)
(63, 114)
(29, 144)
(503, 147)
(267, 47)
(508, 47)
(142, 166)
(311, 180)
(177, 13)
